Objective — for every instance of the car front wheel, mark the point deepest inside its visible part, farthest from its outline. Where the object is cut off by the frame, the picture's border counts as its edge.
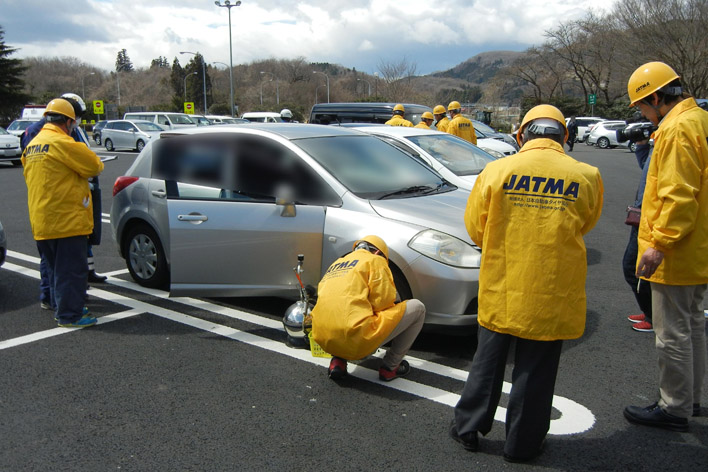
(109, 145)
(603, 143)
(140, 145)
(145, 257)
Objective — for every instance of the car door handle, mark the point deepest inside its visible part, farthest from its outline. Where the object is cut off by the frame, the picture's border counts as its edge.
(192, 217)
(159, 193)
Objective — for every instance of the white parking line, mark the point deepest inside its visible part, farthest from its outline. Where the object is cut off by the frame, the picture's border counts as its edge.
(574, 419)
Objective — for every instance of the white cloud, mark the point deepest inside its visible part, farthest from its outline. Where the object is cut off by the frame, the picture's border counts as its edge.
(356, 34)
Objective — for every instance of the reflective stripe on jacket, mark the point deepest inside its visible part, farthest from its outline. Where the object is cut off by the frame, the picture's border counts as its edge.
(528, 212)
(398, 120)
(56, 170)
(462, 127)
(675, 205)
(355, 310)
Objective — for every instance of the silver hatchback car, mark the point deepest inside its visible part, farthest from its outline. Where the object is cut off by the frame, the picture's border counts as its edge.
(130, 134)
(225, 211)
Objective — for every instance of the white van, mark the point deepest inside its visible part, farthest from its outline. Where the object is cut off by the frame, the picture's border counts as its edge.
(262, 117)
(166, 119)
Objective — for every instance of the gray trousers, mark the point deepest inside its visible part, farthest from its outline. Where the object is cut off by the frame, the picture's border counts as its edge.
(404, 334)
(680, 328)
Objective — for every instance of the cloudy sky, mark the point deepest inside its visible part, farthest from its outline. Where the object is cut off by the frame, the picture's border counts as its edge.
(435, 35)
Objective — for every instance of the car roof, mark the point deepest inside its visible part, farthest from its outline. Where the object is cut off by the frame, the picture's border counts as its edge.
(288, 131)
(394, 130)
(374, 106)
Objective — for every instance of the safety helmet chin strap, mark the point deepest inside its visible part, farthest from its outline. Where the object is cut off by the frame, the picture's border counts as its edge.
(674, 91)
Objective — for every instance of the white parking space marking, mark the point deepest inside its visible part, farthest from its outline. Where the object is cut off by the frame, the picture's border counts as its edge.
(574, 418)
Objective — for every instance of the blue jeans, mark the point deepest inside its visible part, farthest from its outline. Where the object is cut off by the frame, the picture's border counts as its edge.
(67, 270)
(629, 267)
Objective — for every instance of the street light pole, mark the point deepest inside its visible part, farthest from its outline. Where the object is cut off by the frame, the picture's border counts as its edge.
(185, 84)
(203, 76)
(369, 83)
(277, 90)
(229, 5)
(326, 77)
(83, 89)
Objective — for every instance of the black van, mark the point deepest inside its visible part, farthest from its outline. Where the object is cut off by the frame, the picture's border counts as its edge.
(362, 112)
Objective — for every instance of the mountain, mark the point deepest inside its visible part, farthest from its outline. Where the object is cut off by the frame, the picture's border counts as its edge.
(480, 68)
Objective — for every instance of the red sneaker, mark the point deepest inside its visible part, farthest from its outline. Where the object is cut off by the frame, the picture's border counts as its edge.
(643, 326)
(637, 318)
(337, 368)
(387, 375)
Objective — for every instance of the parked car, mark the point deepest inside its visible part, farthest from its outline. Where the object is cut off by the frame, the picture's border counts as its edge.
(363, 112)
(604, 134)
(225, 120)
(3, 245)
(200, 120)
(96, 131)
(168, 120)
(129, 134)
(10, 148)
(18, 127)
(262, 117)
(457, 160)
(495, 147)
(225, 211)
(584, 122)
(494, 134)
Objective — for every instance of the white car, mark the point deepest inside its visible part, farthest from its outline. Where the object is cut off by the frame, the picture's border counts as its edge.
(604, 134)
(456, 160)
(10, 148)
(18, 127)
(584, 122)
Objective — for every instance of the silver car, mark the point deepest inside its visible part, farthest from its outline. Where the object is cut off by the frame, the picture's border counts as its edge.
(457, 160)
(224, 211)
(10, 148)
(130, 134)
(604, 134)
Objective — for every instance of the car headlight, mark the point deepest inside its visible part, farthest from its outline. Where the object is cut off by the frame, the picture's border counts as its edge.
(445, 248)
(494, 153)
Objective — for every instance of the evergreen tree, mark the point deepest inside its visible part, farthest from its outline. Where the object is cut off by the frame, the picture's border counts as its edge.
(123, 63)
(12, 97)
(159, 62)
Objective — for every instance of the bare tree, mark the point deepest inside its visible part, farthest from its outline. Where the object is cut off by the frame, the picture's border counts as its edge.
(397, 78)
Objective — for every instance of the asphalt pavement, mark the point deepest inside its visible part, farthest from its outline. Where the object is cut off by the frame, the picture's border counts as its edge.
(209, 384)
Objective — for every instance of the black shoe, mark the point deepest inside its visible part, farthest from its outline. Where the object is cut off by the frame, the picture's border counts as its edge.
(696, 409)
(518, 459)
(337, 368)
(654, 415)
(94, 278)
(469, 441)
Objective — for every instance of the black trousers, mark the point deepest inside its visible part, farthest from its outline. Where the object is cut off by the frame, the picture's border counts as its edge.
(528, 414)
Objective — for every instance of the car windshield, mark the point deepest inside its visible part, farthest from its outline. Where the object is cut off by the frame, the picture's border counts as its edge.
(181, 120)
(2, 131)
(148, 127)
(460, 156)
(372, 169)
(478, 125)
(19, 125)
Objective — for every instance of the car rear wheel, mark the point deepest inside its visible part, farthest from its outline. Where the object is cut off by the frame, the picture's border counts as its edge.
(633, 147)
(603, 143)
(109, 145)
(145, 257)
(140, 145)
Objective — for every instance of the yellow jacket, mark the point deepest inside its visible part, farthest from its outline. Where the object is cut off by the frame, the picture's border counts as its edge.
(422, 125)
(56, 169)
(442, 124)
(355, 310)
(675, 205)
(528, 213)
(462, 127)
(398, 120)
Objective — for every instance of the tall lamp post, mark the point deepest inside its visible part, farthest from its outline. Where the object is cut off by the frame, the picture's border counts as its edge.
(83, 89)
(369, 83)
(277, 90)
(185, 84)
(229, 5)
(203, 76)
(230, 82)
(326, 77)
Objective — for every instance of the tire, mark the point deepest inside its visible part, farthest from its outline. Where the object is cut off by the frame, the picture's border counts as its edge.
(17, 162)
(402, 287)
(145, 257)
(109, 145)
(97, 139)
(633, 147)
(139, 145)
(603, 143)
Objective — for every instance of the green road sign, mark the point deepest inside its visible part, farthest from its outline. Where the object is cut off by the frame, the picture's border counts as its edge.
(592, 99)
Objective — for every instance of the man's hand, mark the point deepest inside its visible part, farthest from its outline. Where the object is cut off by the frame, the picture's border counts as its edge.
(649, 262)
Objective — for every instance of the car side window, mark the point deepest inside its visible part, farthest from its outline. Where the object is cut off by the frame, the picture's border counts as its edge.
(265, 170)
(162, 119)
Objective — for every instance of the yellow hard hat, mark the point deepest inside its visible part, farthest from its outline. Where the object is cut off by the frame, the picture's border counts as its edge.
(439, 110)
(61, 107)
(542, 111)
(454, 105)
(374, 241)
(399, 107)
(427, 116)
(647, 79)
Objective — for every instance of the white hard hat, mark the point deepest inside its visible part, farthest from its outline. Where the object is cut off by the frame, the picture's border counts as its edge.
(285, 113)
(78, 100)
